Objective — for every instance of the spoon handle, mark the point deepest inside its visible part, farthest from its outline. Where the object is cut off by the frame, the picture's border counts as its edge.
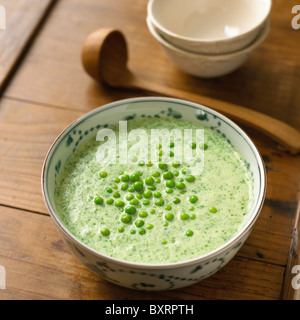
(287, 136)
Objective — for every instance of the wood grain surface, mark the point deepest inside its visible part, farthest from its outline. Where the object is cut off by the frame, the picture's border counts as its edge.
(23, 19)
(49, 89)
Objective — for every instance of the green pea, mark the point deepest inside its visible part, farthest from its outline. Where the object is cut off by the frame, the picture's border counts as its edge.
(125, 178)
(152, 188)
(185, 171)
(129, 196)
(176, 173)
(189, 233)
(121, 172)
(168, 191)
(116, 195)
(132, 231)
(175, 164)
(157, 194)
(139, 223)
(119, 203)
(149, 181)
(139, 196)
(190, 178)
(141, 163)
(146, 202)
(126, 218)
(193, 145)
(213, 210)
(135, 177)
(124, 186)
(168, 175)
(165, 224)
(131, 189)
(193, 199)
(193, 216)
(142, 231)
(170, 183)
(152, 211)
(172, 144)
(130, 210)
(164, 242)
(171, 154)
(159, 202)
(192, 208)
(180, 185)
(168, 207)
(105, 232)
(98, 200)
(138, 186)
(204, 146)
(159, 146)
(109, 190)
(150, 226)
(163, 166)
(157, 180)
(184, 216)
(156, 174)
(176, 201)
(143, 214)
(117, 180)
(147, 194)
(169, 216)
(134, 202)
(149, 164)
(109, 201)
(102, 174)
(121, 229)
(115, 187)
(160, 153)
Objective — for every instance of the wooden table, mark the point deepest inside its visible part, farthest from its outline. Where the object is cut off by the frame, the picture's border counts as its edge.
(44, 88)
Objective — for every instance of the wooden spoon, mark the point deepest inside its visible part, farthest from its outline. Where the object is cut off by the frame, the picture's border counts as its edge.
(105, 56)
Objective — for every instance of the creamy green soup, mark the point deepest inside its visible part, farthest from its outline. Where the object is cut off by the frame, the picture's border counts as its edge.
(150, 212)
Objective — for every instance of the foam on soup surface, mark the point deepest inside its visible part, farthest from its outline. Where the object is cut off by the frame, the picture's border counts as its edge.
(156, 212)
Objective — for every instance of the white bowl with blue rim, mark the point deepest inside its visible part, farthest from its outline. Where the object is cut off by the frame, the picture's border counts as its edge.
(152, 276)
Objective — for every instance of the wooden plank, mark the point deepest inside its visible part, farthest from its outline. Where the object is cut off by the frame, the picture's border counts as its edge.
(268, 82)
(27, 132)
(40, 267)
(23, 17)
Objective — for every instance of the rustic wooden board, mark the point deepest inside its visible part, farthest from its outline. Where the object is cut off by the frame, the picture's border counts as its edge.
(23, 17)
(52, 72)
(50, 89)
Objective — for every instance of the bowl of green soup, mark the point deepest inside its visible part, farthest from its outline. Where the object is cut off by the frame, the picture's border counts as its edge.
(154, 193)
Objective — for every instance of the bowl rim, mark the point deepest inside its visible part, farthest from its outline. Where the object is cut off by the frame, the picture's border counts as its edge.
(240, 234)
(199, 40)
(257, 41)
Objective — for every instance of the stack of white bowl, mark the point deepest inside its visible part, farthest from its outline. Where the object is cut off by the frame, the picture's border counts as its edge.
(209, 38)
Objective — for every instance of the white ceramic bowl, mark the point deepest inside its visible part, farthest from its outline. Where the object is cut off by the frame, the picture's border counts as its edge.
(209, 26)
(151, 276)
(207, 66)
